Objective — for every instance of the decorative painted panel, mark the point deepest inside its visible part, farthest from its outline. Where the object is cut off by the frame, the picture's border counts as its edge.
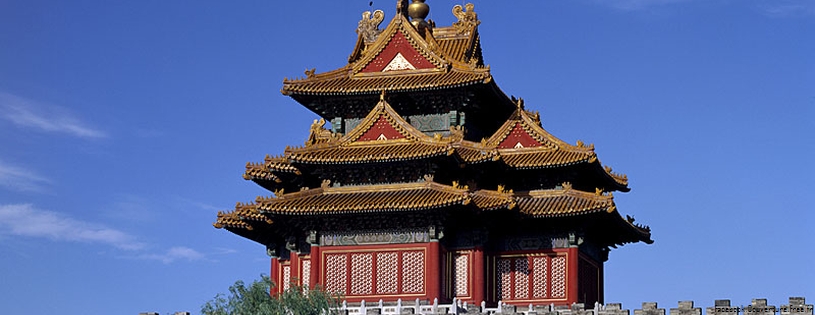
(361, 274)
(461, 274)
(430, 122)
(413, 271)
(377, 238)
(336, 275)
(387, 273)
(534, 243)
(559, 277)
(398, 63)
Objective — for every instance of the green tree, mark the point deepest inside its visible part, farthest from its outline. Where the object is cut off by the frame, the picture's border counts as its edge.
(254, 299)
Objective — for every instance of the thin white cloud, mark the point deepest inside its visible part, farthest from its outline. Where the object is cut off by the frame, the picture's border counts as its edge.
(28, 113)
(21, 179)
(787, 8)
(28, 221)
(633, 5)
(127, 207)
(174, 254)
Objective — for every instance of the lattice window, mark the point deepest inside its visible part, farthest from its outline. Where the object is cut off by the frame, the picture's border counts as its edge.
(539, 273)
(387, 272)
(413, 271)
(504, 279)
(531, 277)
(361, 273)
(286, 277)
(521, 278)
(461, 275)
(336, 275)
(306, 277)
(559, 277)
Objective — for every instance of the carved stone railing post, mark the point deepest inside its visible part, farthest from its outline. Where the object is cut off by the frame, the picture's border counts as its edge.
(759, 307)
(649, 308)
(686, 308)
(797, 306)
(722, 307)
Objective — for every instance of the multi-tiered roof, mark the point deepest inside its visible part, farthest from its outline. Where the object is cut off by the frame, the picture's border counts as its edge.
(421, 135)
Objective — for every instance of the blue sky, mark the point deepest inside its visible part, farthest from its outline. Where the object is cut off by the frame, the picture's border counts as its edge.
(125, 127)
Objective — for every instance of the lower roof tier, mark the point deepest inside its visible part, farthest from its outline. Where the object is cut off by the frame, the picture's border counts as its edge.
(326, 202)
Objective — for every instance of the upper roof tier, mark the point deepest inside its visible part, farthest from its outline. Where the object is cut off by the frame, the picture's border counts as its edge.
(403, 57)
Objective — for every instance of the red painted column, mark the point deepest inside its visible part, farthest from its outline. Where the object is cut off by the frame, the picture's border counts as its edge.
(294, 264)
(274, 275)
(479, 273)
(572, 259)
(316, 266)
(434, 281)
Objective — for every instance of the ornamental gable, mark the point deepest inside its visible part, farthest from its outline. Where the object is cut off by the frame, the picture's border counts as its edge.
(518, 138)
(381, 130)
(382, 124)
(398, 54)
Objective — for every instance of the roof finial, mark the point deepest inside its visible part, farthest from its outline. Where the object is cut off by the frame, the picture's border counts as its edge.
(382, 95)
(418, 10)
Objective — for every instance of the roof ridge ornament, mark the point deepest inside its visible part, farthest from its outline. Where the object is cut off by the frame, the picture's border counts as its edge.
(467, 18)
(368, 27)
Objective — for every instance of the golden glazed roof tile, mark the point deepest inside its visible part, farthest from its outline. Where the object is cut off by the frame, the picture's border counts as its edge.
(537, 158)
(267, 169)
(373, 198)
(473, 153)
(565, 202)
(341, 82)
(259, 171)
(230, 220)
(386, 151)
(491, 200)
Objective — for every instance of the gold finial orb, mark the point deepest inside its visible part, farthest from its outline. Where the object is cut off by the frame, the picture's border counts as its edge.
(418, 9)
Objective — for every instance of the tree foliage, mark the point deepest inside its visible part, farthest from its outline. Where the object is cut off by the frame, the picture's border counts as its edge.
(254, 299)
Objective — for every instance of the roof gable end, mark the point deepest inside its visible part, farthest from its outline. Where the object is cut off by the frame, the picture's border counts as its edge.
(398, 48)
